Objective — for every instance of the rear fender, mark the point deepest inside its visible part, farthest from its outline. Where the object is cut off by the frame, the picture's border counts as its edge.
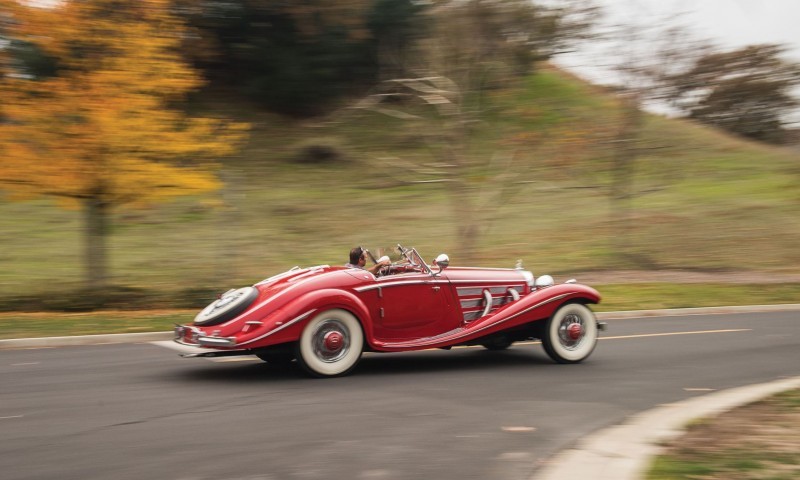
(301, 310)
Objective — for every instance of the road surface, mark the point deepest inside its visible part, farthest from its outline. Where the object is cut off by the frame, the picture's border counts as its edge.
(136, 411)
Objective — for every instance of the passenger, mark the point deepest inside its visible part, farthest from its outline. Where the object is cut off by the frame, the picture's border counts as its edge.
(358, 259)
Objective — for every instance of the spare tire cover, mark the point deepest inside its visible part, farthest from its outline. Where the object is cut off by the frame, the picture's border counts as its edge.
(228, 306)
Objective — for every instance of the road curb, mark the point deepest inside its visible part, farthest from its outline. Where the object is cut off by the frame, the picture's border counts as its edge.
(673, 312)
(50, 342)
(625, 451)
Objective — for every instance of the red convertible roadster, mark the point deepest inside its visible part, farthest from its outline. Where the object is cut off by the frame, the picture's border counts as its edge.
(326, 317)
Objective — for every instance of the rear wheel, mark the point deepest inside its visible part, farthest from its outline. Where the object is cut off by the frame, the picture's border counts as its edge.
(331, 344)
(570, 335)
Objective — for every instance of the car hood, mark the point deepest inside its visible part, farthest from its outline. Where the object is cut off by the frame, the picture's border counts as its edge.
(474, 274)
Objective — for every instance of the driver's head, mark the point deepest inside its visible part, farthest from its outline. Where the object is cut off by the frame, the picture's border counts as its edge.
(357, 255)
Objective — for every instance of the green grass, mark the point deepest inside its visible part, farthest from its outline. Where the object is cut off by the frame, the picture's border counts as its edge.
(756, 441)
(715, 203)
(671, 469)
(660, 295)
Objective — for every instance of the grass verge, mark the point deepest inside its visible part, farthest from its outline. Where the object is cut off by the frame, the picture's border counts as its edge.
(756, 441)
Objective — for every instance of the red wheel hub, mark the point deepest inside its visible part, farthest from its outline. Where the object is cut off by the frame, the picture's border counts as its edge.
(334, 341)
(575, 331)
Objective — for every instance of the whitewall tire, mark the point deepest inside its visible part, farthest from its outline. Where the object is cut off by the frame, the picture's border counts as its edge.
(570, 335)
(331, 344)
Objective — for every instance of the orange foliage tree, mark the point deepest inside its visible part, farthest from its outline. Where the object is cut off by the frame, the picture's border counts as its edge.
(104, 131)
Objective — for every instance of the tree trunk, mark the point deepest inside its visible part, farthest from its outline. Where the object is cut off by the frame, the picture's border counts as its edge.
(622, 177)
(466, 223)
(95, 233)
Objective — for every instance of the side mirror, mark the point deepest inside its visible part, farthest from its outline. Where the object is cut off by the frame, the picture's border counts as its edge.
(442, 261)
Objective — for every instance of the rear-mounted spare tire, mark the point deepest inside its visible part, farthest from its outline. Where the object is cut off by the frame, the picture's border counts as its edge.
(226, 307)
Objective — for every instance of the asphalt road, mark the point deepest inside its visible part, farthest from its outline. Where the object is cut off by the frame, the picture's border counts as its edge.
(137, 411)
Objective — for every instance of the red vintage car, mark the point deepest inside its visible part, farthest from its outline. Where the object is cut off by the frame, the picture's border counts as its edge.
(325, 317)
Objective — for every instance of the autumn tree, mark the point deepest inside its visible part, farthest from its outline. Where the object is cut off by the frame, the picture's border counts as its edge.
(747, 91)
(104, 130)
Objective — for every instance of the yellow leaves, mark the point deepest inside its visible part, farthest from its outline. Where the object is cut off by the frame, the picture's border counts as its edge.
(161, 181)
(106, 125)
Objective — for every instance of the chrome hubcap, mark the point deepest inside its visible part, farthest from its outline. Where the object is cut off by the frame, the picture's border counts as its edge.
(331, 341)
(571, 331)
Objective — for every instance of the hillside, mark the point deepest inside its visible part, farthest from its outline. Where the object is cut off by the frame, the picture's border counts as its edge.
(712, 203)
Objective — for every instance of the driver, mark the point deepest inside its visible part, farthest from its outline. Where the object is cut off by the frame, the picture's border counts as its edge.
(358, 259)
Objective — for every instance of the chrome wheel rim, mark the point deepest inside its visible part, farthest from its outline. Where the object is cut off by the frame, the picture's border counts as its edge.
(331, 341)
(571, 331)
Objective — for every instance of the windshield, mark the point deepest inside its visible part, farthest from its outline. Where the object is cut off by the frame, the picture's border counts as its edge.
(413, 257)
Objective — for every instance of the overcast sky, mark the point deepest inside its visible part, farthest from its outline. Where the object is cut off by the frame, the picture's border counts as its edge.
(728, 23)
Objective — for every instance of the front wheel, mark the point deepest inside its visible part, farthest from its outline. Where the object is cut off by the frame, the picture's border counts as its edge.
(570, 335)
(331, 344)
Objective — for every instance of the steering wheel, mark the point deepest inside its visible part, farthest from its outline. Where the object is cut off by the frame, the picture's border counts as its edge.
(385, 270)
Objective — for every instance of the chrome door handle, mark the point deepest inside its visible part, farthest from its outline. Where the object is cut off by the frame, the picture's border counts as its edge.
(436, 289)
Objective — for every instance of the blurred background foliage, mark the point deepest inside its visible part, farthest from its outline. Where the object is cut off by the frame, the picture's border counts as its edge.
(437, 124)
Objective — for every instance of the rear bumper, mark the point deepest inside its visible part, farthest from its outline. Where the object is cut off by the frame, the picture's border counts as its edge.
(193, 351)
(194, 337)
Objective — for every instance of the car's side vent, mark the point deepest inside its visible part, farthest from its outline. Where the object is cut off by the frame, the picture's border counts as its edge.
(479, 301)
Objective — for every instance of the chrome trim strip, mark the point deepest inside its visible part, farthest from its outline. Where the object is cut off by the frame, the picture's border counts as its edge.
(399, 283)
(470, 303)
(472, 315)
(494, 282)
(488, 302)
(285, 325)
(216, 341)
(468, 291)
(487, 268)
(311, 271)
(279, 276)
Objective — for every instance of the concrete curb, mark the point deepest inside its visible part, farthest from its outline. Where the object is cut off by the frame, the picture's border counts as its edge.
(50, 342)
(624, 452)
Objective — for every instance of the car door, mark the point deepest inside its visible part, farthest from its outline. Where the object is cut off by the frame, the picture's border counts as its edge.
(413, 305)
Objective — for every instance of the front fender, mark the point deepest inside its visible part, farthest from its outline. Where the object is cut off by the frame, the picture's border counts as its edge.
(537, 305)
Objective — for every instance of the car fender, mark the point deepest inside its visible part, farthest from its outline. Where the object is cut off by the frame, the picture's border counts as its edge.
(293, 317)
(540, 304)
